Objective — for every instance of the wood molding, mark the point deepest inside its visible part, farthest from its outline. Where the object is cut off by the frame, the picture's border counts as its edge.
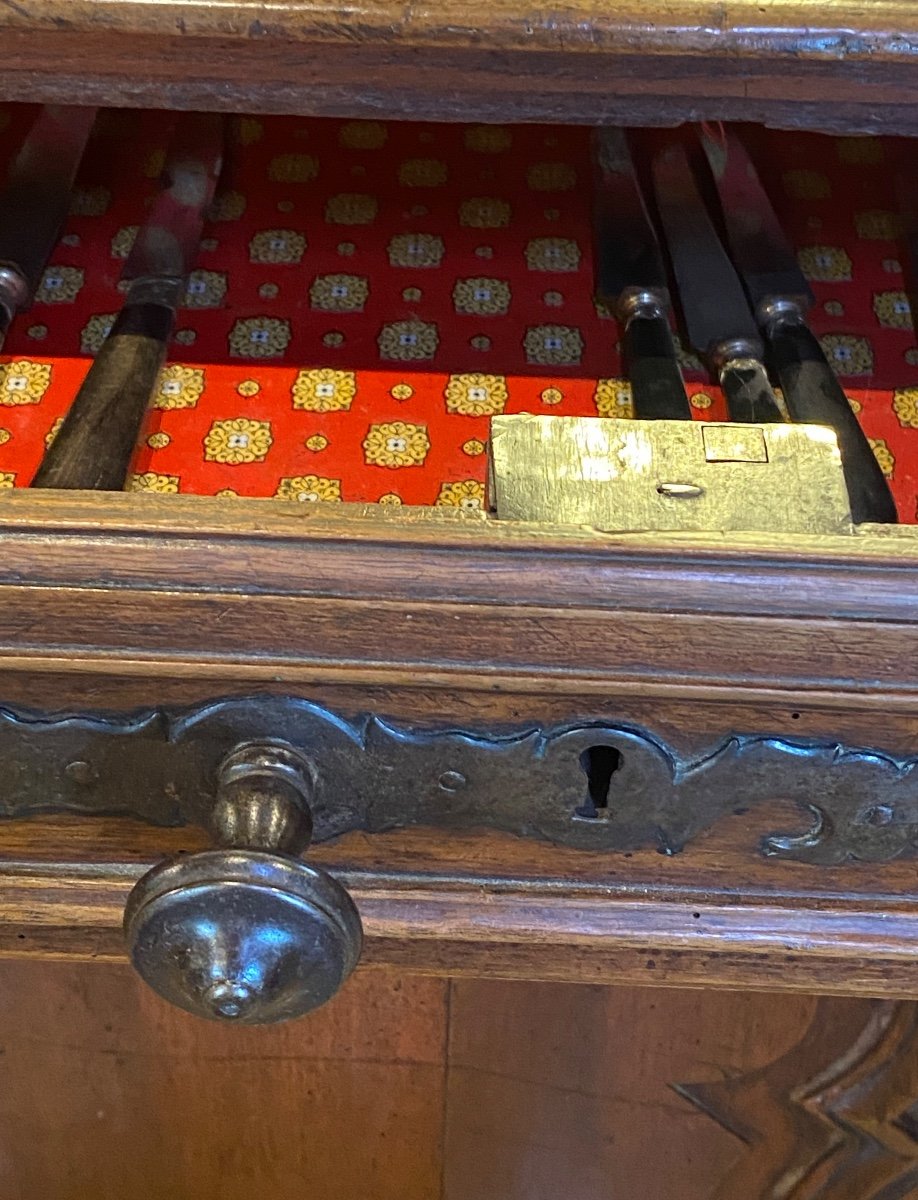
(263, 592)
(490, 905)
(841, 66)
(258, 545)
(525, 933)
(835, 29)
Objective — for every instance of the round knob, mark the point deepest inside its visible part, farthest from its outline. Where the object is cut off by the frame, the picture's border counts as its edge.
(247, 932)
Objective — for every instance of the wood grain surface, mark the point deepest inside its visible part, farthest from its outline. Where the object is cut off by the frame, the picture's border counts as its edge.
(109, 1092)
(407, 1089)
(837, 65)
(835, 28)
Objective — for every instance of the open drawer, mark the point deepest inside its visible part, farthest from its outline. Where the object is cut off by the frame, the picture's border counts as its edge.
(529, 749)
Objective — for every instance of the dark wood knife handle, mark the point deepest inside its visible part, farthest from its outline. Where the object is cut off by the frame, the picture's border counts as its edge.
(813, 394)
(94, 446)
(6, 320)
(656, 381)
(748, 392)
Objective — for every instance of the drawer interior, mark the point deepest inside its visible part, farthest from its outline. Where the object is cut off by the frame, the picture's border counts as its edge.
(369, 293)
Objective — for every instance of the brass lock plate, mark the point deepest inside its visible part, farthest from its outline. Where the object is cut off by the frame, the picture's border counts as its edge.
(633, 476)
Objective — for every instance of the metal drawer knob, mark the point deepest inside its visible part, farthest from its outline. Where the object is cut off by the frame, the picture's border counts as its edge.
(247, 932)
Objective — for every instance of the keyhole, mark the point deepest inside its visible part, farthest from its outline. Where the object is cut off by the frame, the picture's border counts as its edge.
(599, 764)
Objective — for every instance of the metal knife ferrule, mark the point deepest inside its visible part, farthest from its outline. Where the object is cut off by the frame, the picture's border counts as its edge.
(735, 350)
(775, 309)
(641, 302)
(164, 291)
(14, 291)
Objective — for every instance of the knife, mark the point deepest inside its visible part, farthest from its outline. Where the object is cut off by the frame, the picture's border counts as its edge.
(93, 447)
(714, 306)
(906, 191)
(35, 201)
(631, 281)
(780, 297)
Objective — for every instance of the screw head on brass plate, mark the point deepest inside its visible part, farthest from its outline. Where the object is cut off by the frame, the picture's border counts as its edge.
(242, 935)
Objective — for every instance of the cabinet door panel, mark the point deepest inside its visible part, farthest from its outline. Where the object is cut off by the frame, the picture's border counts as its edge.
(107, 1091)
(421, 1089)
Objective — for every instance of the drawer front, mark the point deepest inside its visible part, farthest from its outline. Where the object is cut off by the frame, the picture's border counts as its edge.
(574, 783)
(504, 747)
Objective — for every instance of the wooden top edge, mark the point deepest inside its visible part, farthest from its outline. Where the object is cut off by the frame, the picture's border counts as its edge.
(775, 948)
(833, 30)
(100, 515)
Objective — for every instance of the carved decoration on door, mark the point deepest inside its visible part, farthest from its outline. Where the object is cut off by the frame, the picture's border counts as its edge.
(836, 1118)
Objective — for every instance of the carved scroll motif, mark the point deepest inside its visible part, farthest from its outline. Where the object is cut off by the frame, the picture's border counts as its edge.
(597, 786)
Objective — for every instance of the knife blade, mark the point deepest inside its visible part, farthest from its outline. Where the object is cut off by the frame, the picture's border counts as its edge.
(35, 201)
(631, 280)
(93, 447)
(781, 296)
(717, 317)
(759, 247)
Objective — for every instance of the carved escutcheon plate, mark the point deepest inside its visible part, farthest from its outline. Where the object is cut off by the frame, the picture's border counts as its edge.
(596, 786)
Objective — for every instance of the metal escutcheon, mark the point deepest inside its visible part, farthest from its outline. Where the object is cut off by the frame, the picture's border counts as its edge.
(246, 932)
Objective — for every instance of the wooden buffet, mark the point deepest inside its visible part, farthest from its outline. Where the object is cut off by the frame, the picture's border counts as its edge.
(115, 604)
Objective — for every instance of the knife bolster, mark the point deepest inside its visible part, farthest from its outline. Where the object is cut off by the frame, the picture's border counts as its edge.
(734, 350)
(163, 292)
(641, 302)
(14, 289)
(748, 392)
(775, 309)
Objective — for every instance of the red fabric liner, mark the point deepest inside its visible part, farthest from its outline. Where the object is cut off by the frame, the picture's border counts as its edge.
(368, 294)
